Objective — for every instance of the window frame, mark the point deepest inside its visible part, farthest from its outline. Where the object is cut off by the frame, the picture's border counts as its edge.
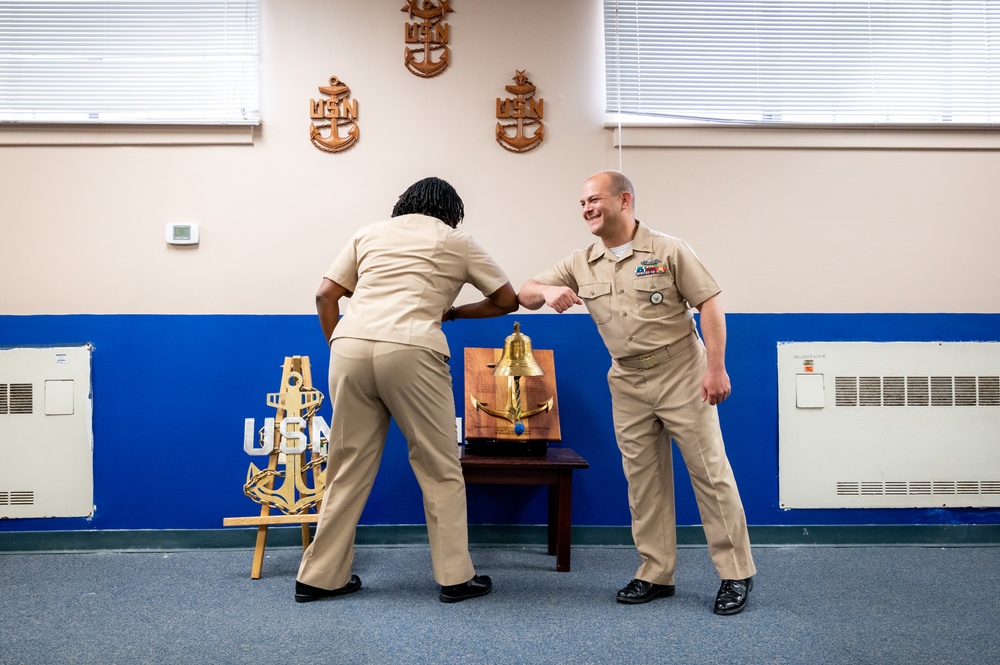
(149, 53)
(636, 129)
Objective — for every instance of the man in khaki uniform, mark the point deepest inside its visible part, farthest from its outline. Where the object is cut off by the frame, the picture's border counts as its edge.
(639, 286)
(388, 358)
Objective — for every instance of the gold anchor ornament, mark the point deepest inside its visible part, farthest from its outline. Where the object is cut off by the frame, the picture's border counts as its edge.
(296, 404)
(526, 111)
(330, 115)
(523, 381)
(431, 36)
(516, 361)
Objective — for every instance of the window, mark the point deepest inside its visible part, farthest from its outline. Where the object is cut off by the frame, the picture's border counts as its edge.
(805, 62)
(129, 62)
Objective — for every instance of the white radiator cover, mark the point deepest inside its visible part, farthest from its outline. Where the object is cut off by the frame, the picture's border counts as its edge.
(888, 425)
(46, 432)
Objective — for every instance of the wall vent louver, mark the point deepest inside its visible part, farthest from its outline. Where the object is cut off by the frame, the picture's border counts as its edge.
(16, 498)
(16, 398)
(913, 390)
(916, 488)
(888, 424)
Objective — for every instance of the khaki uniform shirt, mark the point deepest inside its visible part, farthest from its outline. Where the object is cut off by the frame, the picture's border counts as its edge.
(403, 274)
(641, 302)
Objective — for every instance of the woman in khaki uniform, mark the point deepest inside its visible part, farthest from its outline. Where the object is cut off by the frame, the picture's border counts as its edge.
(388, 358)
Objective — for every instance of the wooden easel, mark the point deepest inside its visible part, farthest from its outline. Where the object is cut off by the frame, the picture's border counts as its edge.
(294, 366)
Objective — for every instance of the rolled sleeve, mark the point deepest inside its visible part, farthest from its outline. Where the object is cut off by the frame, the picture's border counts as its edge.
(484, 273)
(694, 283)
(561, 274)
(344, 270)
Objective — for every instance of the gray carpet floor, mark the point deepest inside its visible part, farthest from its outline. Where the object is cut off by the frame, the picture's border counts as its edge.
(856, 605)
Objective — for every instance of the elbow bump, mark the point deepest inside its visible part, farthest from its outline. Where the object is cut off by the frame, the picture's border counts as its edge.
(508, 305)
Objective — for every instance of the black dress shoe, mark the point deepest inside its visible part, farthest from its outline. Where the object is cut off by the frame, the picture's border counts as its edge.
(480, 585)
(306, 594)
(640, 591)
(733, 596)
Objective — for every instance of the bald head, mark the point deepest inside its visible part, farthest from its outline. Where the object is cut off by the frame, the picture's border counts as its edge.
(617, 184)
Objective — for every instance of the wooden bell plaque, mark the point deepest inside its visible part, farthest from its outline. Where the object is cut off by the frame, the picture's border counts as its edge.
(499, 394)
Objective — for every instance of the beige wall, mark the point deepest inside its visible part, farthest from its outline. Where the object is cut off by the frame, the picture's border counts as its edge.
(792, 229)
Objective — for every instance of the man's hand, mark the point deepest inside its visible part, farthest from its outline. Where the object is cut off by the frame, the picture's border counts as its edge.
(560, 298)
(715, 386)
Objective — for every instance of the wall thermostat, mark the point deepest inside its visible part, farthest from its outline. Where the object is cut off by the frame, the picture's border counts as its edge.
(182, 234)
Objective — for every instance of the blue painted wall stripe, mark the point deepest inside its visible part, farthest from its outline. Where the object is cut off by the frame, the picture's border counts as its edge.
(171, 393)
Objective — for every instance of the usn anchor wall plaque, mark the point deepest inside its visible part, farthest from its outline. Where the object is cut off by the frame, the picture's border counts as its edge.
(427, 53)
(520, 113)
(333, 115)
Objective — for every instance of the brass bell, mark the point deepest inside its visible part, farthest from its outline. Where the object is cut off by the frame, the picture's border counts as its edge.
(516, 359)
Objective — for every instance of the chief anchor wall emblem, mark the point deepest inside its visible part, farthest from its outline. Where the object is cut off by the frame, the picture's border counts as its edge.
(429, 36)
(526, 112)
(335, 118)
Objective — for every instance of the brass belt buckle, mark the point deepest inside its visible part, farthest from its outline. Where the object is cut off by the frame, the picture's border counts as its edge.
(647, 361)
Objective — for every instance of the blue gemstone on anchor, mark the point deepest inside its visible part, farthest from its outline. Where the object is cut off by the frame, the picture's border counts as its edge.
(519, 428)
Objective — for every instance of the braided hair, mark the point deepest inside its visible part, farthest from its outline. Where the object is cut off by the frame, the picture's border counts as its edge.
(433, 197)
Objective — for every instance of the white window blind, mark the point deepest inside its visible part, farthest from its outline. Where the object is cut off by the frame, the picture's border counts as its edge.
(809, 62)
(129, 62)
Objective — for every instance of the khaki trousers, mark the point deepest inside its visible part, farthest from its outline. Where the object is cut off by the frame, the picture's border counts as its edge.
(651, 407)
(369, 383)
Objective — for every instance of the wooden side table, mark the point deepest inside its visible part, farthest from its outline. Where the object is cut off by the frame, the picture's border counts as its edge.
(555, 469)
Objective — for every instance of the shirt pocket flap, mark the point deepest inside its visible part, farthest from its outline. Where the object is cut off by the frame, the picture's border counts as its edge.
(660, 282)
(595, 290)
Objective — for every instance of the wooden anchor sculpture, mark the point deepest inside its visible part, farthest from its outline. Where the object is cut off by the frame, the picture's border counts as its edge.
(296, 404)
